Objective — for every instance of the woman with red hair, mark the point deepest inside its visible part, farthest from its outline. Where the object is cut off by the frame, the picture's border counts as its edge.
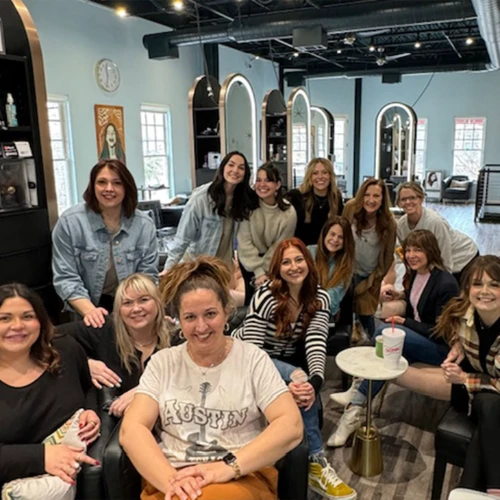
(288, 318)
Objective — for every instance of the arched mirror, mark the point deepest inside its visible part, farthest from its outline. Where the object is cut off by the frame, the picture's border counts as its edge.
(395, 141)
(238, 121)
(322, 133)
(298, 134)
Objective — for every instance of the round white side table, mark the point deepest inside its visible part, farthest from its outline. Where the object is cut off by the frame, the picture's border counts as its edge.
(362, 362)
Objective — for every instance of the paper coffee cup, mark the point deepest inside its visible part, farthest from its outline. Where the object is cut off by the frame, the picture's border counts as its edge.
(393, 347)
(299, 376)
(379, 346)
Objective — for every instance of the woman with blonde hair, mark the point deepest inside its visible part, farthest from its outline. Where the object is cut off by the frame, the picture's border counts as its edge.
(316, 200)
(457, 249)
(374, 231)
(334, 259)
(209, 396)
(471, 326)
(120, 350)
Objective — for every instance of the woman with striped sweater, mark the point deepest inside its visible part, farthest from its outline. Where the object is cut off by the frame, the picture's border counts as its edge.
(288, 318)
(471, 326)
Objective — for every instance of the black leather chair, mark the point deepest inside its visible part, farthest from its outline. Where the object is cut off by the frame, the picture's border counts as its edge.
(456, 193)
(453, 435)
(123, 482)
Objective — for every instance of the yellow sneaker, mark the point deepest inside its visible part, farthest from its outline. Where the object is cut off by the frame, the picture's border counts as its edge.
(324, 480)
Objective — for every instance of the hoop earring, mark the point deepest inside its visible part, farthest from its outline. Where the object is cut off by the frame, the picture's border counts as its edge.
(226, 329)
(181, 335)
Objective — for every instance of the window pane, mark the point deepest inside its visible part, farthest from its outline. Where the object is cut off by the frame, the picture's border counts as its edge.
(55, 131)
(54, 113)
(57, 150)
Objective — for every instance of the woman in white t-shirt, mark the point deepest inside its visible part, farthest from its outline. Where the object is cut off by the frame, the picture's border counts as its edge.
(428, 288)
(209, 395)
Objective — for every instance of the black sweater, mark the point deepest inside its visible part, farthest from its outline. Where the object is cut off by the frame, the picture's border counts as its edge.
(441, 287)
(309, 232)
(31, 413)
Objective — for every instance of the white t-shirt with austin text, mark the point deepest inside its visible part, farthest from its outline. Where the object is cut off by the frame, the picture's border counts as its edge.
(207, 412)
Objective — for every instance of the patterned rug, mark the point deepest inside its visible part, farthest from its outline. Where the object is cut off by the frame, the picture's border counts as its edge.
(407, 423)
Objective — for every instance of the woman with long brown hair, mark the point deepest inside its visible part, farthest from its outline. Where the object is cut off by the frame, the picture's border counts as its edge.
(428, 288)
(334, 259)
(44, 381)
(471, 326)
(316, 200)
(374, 231)
(288, 318)
(99, 243)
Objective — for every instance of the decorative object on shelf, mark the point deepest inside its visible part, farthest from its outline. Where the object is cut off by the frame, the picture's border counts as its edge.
(11, 111)
(110, 132)
(2, 39)
(214, 160)
(107, 75)
(9, 150)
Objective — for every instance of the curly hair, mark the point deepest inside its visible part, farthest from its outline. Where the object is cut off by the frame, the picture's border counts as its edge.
(385, 220)
(307, 190)
(449, 322)
(204, 272)
(280, 291)
(344, 258)
(42, 352)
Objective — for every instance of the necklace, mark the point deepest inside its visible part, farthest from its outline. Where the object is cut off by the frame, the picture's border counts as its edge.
(321, 201)
(221, 356)
(143, 345)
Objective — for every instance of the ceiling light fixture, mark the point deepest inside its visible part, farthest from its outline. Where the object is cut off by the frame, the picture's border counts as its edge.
(178, 5)
(121, 12)
(469, 40)
(372, 48)
(257, 58)
(418, 44)
(339, 51)
(296, 54)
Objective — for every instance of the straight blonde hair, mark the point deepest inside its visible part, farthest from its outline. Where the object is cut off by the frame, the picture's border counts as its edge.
(141, 284)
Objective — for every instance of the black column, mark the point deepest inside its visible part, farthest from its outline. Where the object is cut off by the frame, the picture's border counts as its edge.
(211, 52)
(358, 88)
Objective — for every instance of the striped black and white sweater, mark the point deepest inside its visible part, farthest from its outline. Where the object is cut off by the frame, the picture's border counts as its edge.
(259, 328)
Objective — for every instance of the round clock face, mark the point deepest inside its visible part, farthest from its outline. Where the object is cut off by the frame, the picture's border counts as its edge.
(107, 75)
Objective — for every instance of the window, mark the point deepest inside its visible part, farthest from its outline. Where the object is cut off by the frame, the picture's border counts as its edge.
(340, 144)
(62, 152)
(155, 125)
(468, 146)
(320, 141)
(421, 149)
(299, 153)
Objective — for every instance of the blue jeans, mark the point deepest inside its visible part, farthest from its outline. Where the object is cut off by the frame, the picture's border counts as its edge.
(416, 349)
(309, 417)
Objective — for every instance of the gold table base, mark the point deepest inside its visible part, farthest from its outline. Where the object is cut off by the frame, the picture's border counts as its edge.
(366, 458)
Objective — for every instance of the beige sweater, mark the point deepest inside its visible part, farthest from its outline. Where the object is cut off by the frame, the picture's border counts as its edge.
(259, 236)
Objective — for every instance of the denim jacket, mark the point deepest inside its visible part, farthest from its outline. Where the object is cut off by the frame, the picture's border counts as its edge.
(200, 229)
(81, 251)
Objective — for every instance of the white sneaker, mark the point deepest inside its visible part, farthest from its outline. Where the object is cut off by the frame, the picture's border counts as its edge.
(349, 422)
(344, 398)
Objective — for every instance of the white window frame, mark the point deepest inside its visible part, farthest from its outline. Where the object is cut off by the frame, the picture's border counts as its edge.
(345, 149)
(63, 103)
(299, 145)
(421, 140)
(162, 195)
(468, 120)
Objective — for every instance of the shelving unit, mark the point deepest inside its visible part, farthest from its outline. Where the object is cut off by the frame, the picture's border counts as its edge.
(203, 115)
(274, 134)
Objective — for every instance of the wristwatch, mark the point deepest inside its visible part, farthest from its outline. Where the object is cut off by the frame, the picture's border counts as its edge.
(230, 459)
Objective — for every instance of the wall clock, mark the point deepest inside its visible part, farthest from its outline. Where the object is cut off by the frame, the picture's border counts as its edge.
(107, 75)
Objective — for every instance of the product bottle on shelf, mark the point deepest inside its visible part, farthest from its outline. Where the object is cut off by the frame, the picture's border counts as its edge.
(11, 111)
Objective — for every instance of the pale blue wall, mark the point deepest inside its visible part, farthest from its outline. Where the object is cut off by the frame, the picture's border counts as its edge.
(74, 35)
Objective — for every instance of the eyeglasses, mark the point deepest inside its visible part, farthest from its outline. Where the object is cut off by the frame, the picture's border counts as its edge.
(408, 198)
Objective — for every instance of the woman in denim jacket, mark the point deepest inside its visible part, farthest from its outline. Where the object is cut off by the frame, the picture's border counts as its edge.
(207, 225)
(99, 243)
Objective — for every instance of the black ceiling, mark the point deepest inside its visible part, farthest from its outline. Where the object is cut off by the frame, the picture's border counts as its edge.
(443, 44)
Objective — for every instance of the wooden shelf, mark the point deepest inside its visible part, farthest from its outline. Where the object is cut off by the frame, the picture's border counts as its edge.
(7, 57)
(13, 160)
(213, 108)
(208, 136)
(17, 129)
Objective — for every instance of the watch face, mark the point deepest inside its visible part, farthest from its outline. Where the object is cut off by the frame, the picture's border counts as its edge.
(229, 458)
(107, 75)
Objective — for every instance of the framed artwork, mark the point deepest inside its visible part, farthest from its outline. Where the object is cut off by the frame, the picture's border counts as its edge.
(433, 180)
(2, 39)
(110, 132)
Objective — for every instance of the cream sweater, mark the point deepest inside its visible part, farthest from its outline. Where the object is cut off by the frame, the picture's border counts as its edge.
(259, 236)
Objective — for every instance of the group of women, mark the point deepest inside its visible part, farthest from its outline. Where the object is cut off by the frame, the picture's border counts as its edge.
(299, 253)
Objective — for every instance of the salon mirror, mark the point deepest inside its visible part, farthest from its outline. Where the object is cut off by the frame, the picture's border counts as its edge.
(298, 134)
(238, 119)
(322, 133)
(395, 141)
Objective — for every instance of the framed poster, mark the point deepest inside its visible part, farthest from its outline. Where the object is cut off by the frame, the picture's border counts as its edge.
(433, 180)
(110, 132)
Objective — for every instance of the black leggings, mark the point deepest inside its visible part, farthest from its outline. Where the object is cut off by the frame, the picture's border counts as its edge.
(247, 276)
(481, 470)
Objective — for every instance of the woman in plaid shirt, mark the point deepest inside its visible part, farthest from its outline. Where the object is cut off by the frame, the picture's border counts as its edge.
(471, 325)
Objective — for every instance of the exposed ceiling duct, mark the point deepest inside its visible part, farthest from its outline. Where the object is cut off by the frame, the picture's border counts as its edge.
(333, 20)
(488, 20)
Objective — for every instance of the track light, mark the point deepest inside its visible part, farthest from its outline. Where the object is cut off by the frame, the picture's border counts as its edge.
(469, 40)
(121, 12)
(178, 5)
(418, 44)
(339, 51)
(372, 48)
(296, 54)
